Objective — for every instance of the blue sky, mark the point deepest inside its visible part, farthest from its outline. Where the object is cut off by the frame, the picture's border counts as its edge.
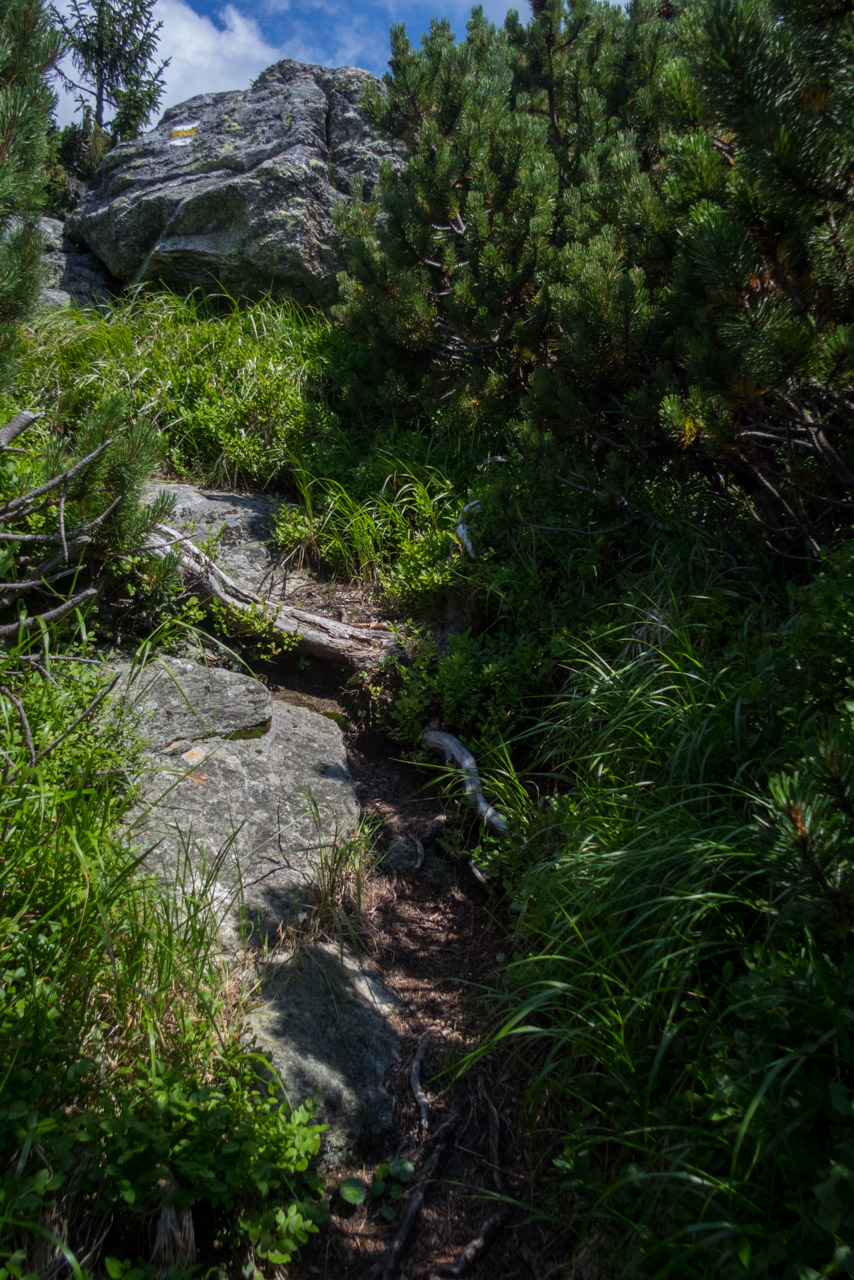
(215, 46)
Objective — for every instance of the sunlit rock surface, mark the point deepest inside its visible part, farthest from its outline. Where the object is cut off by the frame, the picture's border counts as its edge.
(236, 190)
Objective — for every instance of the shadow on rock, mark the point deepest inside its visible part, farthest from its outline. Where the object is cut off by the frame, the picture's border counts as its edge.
(327, 1024)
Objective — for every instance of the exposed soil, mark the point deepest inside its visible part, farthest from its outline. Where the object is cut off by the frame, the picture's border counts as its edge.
(437, 937)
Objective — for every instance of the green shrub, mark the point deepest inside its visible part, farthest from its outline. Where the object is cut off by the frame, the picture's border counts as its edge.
(225, 387)
(682, 992)
(124, 1087)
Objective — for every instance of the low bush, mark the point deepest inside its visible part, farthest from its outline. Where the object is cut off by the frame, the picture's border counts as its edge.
(223, 384)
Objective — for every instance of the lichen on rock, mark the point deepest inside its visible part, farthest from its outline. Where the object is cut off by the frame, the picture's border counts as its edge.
(197, 199)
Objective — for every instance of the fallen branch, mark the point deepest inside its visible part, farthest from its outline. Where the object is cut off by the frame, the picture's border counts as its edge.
(15, 426)
(441, 1142)
(475, 871)
(52, 615)
(321, 637)
(415, 1079)
(435, 828)
(470, 1256)
(454, 752)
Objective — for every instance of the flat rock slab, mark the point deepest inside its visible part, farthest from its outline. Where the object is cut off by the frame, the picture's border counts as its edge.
(326, 1024)
(178, 702)
(242, 800)
(243, 795)
(241, 525)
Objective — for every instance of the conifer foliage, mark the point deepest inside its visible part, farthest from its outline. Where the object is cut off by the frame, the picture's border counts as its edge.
(65, 498)
(114, 51)
(625, 240)
(29, 48)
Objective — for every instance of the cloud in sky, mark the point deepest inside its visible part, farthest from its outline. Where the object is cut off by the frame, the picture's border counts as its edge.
(214, 47)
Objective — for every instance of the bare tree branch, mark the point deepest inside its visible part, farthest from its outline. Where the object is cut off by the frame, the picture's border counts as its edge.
(52, 615)
(18, 506)
(16, 425)
(25, 727)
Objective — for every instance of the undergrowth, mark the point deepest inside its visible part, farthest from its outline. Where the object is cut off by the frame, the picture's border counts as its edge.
(682, 993)
(223, 384)
(125, 1091)
(664, 720)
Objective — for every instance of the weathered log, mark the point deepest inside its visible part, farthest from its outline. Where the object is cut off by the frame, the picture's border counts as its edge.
(357, 646)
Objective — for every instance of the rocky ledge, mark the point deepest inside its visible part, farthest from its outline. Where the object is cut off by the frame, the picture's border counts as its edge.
(244, 803)
(236, 190)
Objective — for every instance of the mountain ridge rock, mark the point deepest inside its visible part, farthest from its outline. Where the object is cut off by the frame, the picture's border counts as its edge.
(236, 189)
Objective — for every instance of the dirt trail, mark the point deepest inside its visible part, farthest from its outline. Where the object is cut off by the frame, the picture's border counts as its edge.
(433, 934)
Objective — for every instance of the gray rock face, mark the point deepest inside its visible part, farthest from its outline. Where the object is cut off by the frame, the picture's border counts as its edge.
(242, 799)
(243, 795)
(71, 272)
(236, 189)
(326, 1025)
(241, 525)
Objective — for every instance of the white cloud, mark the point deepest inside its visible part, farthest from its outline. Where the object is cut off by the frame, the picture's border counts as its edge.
(209, 57)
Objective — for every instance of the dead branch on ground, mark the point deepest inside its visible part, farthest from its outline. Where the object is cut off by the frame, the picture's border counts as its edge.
(319, 636)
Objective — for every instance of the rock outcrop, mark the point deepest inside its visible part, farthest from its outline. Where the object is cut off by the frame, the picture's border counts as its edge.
(236, 189)
(240, 525)
(70, 272)
(243, 801)
(241, 793)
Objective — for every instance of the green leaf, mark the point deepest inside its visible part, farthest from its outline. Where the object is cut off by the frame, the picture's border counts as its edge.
(353, 1191)
(115, 1269)
(401, 1169)
(840, 1099)
(388, 1212)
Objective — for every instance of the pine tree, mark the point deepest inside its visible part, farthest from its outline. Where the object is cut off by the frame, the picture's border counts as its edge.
(62, 500)
(627, 240)
(113, 47)
(504, 259)
(29, 48)
(761, 186)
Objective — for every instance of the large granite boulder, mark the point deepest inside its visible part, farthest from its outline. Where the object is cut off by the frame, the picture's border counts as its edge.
(236, 189)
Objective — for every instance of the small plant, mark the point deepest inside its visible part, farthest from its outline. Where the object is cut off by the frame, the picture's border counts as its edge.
(385, 1189)
(338, 887)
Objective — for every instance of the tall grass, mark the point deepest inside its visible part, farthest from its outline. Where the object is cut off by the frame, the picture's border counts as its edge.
(224, 384)
(401, 538)
(682, 994)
